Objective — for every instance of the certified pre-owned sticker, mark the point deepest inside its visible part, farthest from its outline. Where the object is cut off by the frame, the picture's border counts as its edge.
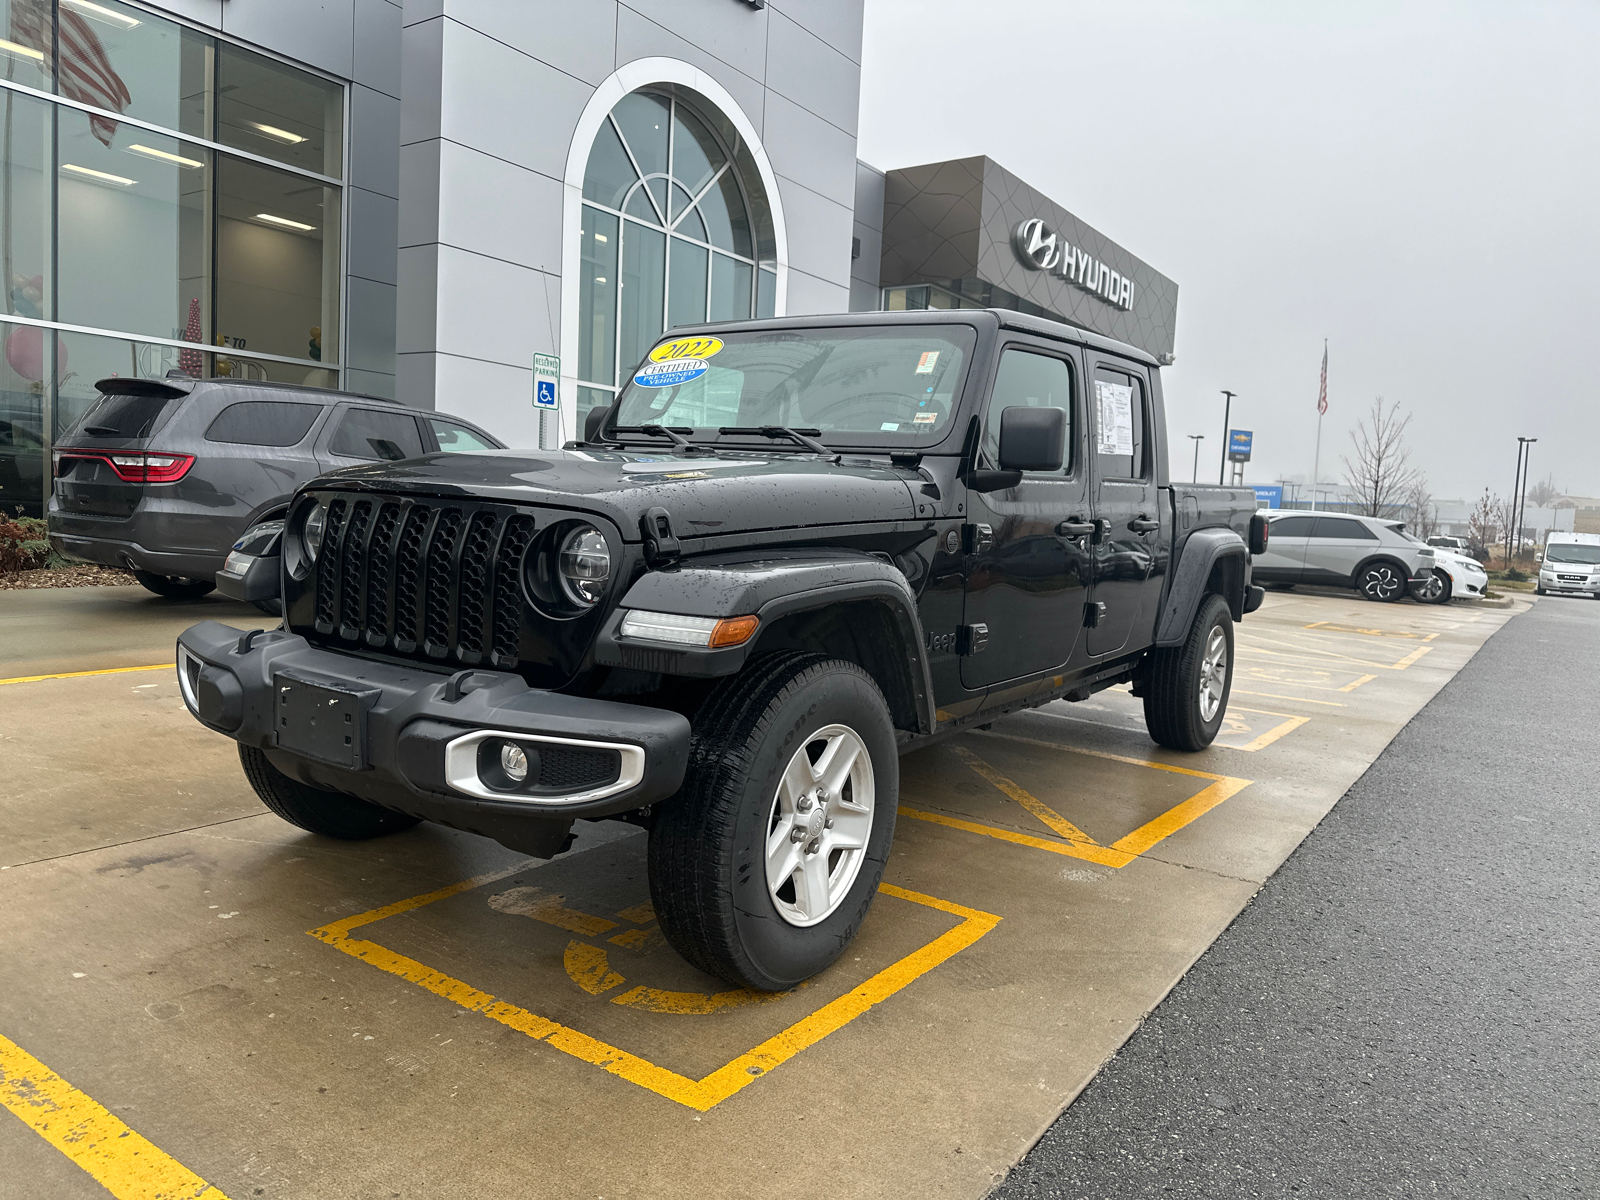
(686, 347)
(666, 374)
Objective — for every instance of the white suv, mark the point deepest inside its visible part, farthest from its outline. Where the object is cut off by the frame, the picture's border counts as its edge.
(1571, 565)
(1376, 557)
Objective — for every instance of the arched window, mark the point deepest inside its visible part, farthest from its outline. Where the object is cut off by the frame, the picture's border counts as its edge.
(675, 231)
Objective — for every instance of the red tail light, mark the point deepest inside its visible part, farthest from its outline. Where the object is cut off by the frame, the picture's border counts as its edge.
(139, 467)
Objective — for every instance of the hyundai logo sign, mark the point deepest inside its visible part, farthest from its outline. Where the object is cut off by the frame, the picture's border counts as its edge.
(1040, 248)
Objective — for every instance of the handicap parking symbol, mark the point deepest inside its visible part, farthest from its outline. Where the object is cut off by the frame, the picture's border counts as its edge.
(545, 393)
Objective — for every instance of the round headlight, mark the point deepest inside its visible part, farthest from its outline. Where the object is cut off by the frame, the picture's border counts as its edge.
(313, 528)
(584, 564)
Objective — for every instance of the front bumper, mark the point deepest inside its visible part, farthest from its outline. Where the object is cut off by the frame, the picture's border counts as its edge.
(415, 733)
(1575, 587)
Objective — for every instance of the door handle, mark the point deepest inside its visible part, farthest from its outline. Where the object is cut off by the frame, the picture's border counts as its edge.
(1074, 527)
(1143, 524)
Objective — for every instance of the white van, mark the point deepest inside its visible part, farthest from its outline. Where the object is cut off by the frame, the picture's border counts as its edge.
(1571, 565)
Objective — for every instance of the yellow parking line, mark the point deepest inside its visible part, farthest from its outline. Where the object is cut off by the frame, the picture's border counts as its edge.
(1287, 725)
(699, 1094)
(1296, 699)
(1037, 807)
(1350, 687)
(125, 1164)
(81, 674)
(1411, 658)
(1333, 627)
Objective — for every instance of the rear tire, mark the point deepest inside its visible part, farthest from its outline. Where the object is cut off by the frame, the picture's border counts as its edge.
(332, 814)
(175, 587)
(755, 877)
(1187, 689)
(1383, 582)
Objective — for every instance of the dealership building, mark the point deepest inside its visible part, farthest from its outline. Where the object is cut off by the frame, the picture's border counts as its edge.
(492, 207)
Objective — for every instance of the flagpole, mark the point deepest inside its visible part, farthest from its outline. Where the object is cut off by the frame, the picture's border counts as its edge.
(1322, 411)
(1316, 465)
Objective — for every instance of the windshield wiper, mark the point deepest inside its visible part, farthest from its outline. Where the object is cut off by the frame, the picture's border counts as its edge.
(800, 437)
(675, 433)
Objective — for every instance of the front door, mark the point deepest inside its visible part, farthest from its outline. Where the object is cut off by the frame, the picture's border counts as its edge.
(1027, 576)
(1133, 527)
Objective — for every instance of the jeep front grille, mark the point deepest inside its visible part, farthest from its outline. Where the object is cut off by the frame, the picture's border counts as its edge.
(424, 579)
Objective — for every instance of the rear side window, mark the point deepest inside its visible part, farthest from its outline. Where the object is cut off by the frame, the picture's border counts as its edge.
(124, 416)
(1291, 527)
(1120, 431)
(368, 433)
(1343, 527)
(457, 439)
(263, 423)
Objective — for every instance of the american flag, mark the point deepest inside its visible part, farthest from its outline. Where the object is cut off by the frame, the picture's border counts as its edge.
(190, 360)
(86, 74)
(1322, 391)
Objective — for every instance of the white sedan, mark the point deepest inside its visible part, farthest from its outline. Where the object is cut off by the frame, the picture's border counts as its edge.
(1453, 575)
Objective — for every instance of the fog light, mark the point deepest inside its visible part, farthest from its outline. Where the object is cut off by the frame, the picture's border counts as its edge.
(513, 762)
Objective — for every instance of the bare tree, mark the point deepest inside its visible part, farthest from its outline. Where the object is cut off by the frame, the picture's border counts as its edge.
(1422, 513)
(1541, 494)
(1483, 524)
(1380, 475)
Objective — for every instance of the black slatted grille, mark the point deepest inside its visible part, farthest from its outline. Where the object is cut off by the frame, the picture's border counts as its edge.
(435, 581)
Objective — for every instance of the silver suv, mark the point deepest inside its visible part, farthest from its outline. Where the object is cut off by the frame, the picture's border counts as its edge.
(1375, 556)
(162, 476)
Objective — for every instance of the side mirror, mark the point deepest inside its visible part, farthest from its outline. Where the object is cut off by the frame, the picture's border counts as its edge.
(1260, 529)
(592, 423)
(1032, 439)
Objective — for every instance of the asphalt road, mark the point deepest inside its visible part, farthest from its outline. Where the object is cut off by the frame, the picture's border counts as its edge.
(1412, 1004)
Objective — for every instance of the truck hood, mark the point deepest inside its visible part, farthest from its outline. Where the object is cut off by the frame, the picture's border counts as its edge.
(705, 496)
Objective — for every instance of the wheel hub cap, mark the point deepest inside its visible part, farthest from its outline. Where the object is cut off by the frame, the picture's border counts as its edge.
(819, 825)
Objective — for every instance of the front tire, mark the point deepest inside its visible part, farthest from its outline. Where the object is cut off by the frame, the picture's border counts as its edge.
(764, 864)
(332, 814)
(175, 587)
(1436, 591)
(1383, 582)
(1187, 689)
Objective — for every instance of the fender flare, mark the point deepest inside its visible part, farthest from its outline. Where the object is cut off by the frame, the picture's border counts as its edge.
(770, 585)
(1201, 552)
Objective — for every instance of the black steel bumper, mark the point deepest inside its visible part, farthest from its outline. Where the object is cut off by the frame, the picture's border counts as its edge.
(414, 735)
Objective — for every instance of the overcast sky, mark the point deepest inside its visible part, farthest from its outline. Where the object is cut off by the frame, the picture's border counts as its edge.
(1415, 182)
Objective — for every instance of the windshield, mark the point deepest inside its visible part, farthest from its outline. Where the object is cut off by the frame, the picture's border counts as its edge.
(880, 386)
(1572, 552)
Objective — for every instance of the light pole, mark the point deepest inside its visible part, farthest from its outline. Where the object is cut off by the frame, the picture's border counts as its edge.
(1227, 407)
(1526, 452)
(1197, 438)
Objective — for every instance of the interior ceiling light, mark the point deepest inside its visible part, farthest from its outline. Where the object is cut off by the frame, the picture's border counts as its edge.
(285, 222)
(25, 51)
(276, 134)
(165, 156)
(102, 176)
(99, 12)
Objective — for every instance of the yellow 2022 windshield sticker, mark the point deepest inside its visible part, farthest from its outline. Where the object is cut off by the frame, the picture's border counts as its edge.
(686, 347)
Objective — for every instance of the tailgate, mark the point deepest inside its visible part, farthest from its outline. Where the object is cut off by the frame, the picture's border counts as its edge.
(86, 482)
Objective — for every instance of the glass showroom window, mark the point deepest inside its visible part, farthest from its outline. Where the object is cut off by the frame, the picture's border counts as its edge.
(674, 231)
(206, 238)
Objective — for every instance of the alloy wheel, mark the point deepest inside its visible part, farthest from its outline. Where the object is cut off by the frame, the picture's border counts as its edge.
(1213, 673)
(820, 822)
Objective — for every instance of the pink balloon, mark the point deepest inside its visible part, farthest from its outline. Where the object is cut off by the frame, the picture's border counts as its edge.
(25, 353)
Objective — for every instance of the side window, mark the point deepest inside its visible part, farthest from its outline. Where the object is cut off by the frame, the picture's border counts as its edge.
(1290, 527)
(1029, 380)
(263, 423)
(1343, 527)
(457, 439)
(1120, 449)
(369, 433)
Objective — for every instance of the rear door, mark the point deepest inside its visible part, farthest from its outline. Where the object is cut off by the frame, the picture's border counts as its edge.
(1127, 505)
(1334, 548)
(362, 435)
(1285, 558)
(1027, 581)
(87, 485)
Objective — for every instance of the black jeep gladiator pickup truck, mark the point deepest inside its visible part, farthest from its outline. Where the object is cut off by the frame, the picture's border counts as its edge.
(790, 551)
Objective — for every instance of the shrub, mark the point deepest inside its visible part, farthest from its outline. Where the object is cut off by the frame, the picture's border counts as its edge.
(24, 545)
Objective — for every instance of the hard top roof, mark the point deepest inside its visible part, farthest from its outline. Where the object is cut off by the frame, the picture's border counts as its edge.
(995, 318)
